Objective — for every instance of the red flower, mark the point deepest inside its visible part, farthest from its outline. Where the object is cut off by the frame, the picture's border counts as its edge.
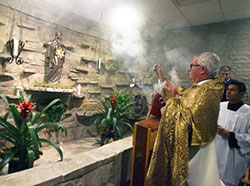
(26, 108)
(113, 102)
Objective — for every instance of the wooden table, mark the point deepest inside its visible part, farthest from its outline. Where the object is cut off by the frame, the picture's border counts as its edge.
(145, 132)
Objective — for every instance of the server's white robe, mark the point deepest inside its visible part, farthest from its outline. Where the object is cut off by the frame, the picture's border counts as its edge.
(233, 162)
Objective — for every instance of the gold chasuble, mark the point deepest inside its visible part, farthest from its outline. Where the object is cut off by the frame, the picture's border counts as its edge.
(192, 116)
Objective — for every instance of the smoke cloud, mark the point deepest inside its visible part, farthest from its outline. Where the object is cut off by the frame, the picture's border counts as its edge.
(128, 46)
(178, 58)
(174, 77)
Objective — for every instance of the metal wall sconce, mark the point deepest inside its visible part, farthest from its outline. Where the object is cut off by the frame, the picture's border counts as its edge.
(15, 48)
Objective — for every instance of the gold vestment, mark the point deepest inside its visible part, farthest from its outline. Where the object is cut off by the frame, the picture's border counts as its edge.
(192, 117)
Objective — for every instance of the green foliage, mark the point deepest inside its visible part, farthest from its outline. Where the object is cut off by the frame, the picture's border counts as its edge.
(23, 133)
(113, 116)
(112, 64)
(55, 114)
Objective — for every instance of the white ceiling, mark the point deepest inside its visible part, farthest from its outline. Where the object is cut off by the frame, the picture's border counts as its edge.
(167, 13)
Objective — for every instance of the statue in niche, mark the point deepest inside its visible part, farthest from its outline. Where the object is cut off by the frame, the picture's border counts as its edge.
(55, 59)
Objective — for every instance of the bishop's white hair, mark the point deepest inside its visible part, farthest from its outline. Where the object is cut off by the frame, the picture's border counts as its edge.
(211, 61)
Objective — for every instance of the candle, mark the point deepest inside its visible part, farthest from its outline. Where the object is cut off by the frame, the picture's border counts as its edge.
(61, 146)
(17, 90)
(15, 48)
(78, 89)
(99, 63)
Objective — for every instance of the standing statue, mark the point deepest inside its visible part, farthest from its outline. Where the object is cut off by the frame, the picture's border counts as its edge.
(56, 58)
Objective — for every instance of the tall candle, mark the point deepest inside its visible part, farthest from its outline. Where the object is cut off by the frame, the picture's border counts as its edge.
(15, 48)
(61, 146)
(78, 89)
(99, 63)
(17, 90)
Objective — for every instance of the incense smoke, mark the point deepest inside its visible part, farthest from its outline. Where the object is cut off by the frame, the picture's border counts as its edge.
(128, 46)
(178, 58)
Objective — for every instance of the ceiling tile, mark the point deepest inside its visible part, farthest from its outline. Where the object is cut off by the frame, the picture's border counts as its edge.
(180, 3)
(239, 14)
(167, 16)
(176, 24)
(151, 6)
(206, 19)
(232, 5)
(201, 9)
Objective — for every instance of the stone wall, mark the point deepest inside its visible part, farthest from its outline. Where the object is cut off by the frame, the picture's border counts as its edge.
(109, 165)
(83, 51)
(86, 42)
(174, 49)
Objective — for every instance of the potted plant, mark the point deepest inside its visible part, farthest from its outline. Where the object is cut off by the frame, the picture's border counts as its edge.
(22, 133)
(112, 117)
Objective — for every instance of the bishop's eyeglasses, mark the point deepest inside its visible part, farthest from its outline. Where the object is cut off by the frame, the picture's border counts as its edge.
(194, 65)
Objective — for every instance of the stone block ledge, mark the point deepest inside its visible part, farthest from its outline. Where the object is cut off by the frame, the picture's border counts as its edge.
(87, 82)
(49, 89)
(94, 92)
(107, 86)
(100, 166)
(28, 27)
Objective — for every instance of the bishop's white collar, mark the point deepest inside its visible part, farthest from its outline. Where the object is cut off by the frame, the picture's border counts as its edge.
(203, 81)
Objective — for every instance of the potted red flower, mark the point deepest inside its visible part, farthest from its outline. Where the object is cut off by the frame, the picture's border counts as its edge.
(22, 133)
(113, 117)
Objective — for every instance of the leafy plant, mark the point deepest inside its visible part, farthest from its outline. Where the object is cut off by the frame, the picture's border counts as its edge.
(23, 133)
(113, 116)
(55, 113)
(112, 65)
